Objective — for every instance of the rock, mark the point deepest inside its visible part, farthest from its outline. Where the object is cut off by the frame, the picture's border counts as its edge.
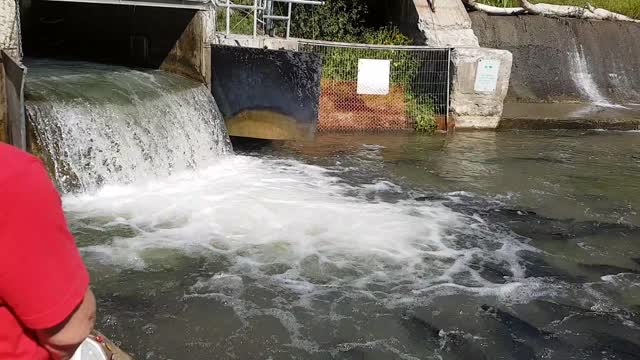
(536, 266)
(604, 269)
(516, 326)
(496, 273)
(460, 346)
(431, 197)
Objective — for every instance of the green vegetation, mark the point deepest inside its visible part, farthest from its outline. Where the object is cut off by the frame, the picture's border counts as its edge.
(342, 63)
(337, 20)
(386, 35)
(346, 21)
(239, 22)
(423, 111)
(625, 7)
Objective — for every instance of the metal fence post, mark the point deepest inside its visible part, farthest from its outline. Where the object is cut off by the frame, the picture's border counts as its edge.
(289, 21)
(448, 85)
(255, 18)
(228, 17)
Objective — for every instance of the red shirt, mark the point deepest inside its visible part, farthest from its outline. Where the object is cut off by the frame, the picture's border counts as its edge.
(42, 277)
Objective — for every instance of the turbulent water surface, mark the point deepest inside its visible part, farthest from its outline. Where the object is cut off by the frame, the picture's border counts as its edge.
(103, 124)
(472, 246)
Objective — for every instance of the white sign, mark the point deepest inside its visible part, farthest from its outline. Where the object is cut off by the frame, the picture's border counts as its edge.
(373, 76)
(487, 75)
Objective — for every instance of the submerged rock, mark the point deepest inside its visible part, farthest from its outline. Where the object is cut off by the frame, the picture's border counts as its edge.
(431, 197)
(460, 346)
(622, 348)
(536, 266)
(605, 269)
(495, 273)
(516, 326)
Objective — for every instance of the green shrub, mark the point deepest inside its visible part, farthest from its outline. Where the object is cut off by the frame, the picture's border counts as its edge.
(336, 20)
(239, 22)
(422, 110)
(342, 63)
(344, 21)
(386, 35)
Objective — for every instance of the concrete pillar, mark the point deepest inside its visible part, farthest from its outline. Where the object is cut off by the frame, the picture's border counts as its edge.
(3, 108)
(11, 43)
(472, 106)
(448, 26)
(191, 54)
(10, 28)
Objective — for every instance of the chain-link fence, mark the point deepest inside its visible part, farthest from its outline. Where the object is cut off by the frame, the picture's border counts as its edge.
(379, 87)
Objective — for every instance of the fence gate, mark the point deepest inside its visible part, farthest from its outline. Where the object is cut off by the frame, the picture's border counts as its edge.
(380, 87)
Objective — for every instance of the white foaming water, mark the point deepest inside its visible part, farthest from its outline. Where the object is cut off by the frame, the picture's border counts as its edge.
(261, 214)
(584, 80)
(100, 124)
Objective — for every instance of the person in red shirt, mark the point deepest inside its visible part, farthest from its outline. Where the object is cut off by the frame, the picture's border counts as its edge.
(46, 307)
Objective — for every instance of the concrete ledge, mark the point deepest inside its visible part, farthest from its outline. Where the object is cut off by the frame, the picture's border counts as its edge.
(537, 116)
(477, 109)
(259, 42)
(576, 123)
(476, 122)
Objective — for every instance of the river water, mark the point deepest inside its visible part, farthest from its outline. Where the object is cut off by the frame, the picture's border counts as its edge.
(481, 245)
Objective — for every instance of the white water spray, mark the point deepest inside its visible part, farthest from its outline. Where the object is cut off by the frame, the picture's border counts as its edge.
(262, 214)
(100, 124)
(584, 79)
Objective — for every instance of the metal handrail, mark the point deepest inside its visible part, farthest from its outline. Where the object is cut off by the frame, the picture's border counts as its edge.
(256, 7)
(370, 46)
(174, 4)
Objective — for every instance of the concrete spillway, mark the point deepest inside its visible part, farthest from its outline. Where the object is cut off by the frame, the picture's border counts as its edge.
(566, 60)
(99, 124)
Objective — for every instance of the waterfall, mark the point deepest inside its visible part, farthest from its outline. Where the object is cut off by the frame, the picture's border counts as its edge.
(100, 124)
(583, 78)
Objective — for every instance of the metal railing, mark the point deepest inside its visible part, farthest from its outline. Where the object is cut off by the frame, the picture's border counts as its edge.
(416, 86)
(173, 4)
(262, 11)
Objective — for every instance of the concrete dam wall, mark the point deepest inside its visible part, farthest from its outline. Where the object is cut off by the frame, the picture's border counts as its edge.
(566, 60)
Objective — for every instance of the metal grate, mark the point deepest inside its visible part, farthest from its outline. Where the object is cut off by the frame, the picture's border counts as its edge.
(418, 91)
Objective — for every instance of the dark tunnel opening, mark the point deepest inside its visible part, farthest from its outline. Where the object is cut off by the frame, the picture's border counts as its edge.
(115, 34)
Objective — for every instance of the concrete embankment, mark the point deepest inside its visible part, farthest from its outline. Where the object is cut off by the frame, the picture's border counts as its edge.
(579, 73)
